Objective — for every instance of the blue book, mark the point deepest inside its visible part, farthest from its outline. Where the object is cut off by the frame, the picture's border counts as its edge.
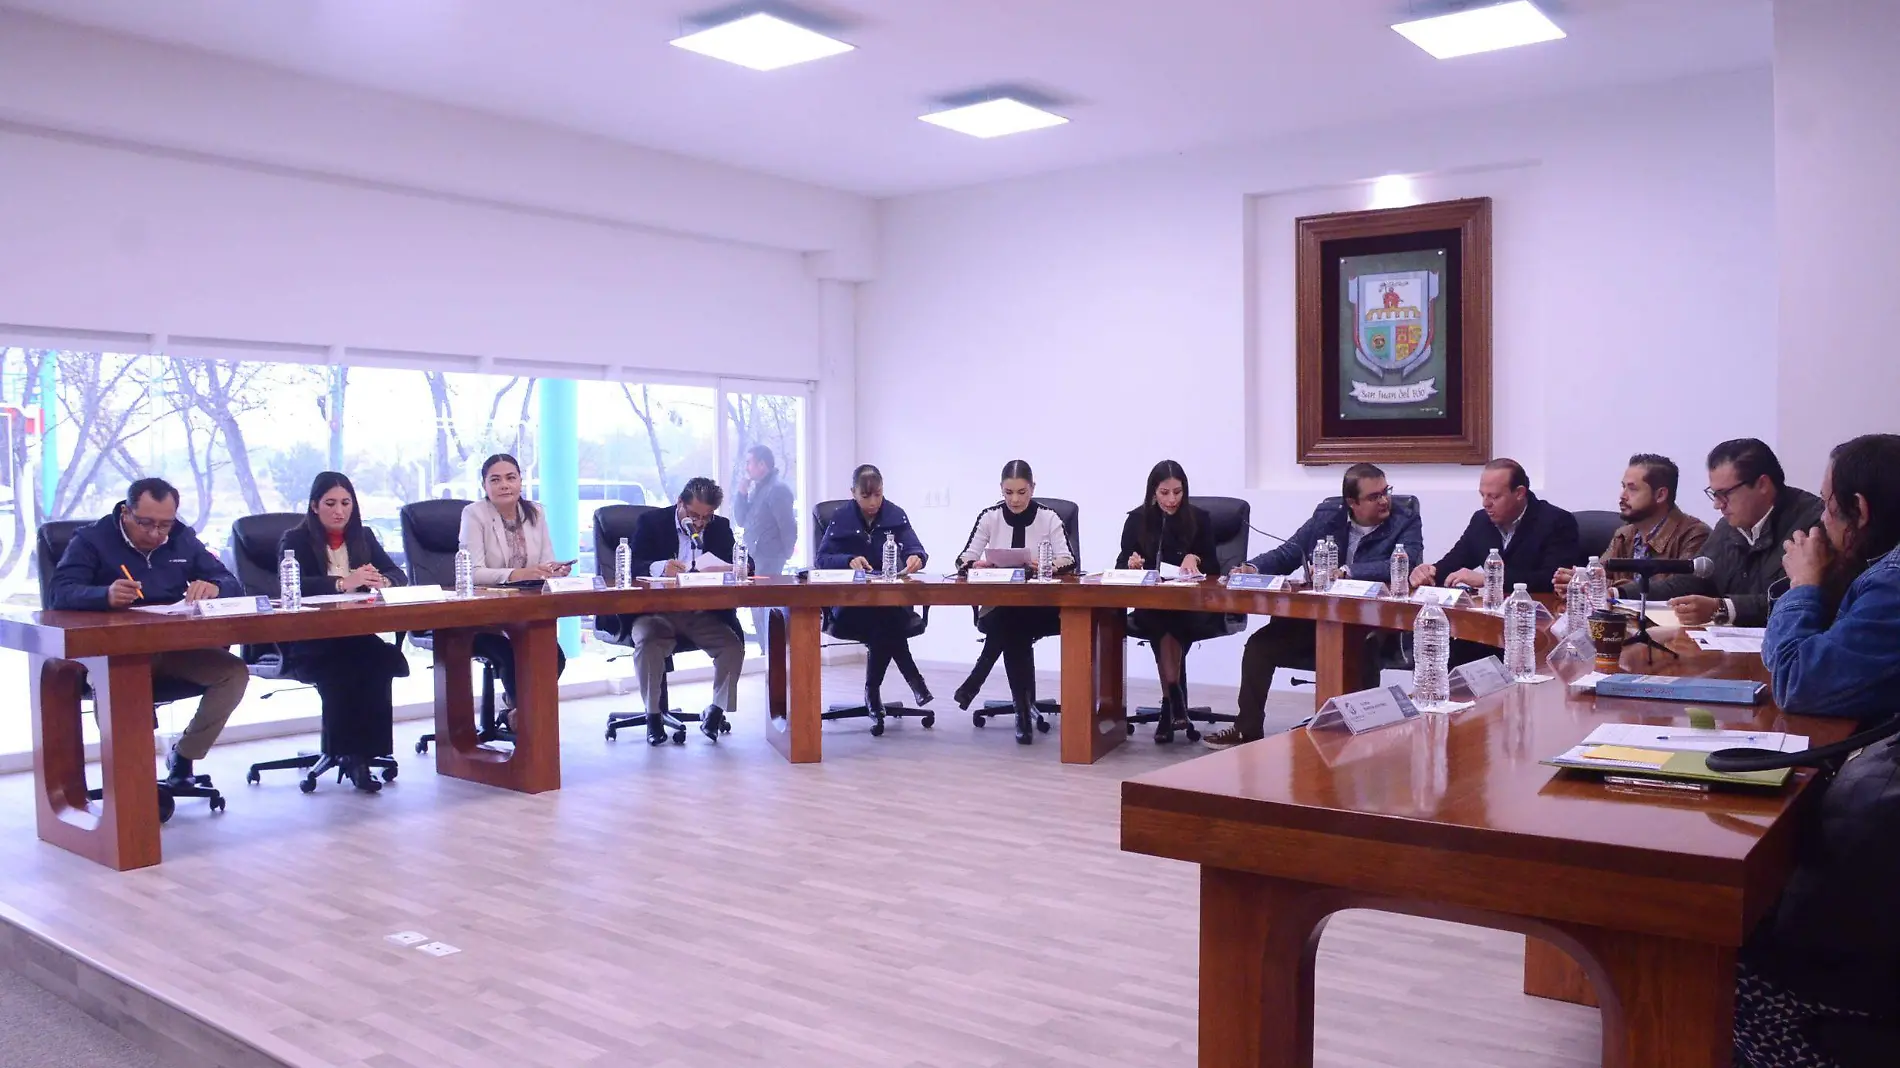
(1677, 688)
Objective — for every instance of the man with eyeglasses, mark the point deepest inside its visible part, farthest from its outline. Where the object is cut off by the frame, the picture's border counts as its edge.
(1367, 524)
(1653, 525)
(142, 554)
(1760, 512)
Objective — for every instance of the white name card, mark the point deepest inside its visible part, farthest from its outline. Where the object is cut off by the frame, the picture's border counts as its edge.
(1267, 583)
(833, 575)
(1481, 677)
(695, 579)
(216, 607)
(1356, 588)
(996, 574)
(1127, 576)
(412, 594)
(1445, 596)
(574, 584)
(1365, 710)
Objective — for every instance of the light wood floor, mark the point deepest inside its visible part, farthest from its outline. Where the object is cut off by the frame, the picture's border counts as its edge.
(929, 898)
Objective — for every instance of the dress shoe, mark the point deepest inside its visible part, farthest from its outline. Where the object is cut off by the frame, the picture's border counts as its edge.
(361, 775)
(712, 723)
(656, 729)
(178, 770)
(966, 693)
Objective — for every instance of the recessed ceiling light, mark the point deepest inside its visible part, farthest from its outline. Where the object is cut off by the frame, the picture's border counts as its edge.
(994, 118)
(1483, 29)
(761, 42)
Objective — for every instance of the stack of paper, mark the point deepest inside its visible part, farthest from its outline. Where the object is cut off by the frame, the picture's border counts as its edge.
(1730, 639)
(1674, 752)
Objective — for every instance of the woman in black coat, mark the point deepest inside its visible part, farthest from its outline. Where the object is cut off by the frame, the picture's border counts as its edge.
(1168, 529)
(355, 675)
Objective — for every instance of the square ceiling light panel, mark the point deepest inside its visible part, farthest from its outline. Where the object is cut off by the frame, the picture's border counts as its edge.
(994, 118)
(1481, 29)
(762, 42)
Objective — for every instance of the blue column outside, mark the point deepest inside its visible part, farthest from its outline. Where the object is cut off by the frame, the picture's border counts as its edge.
(49, 441)
(557, 448)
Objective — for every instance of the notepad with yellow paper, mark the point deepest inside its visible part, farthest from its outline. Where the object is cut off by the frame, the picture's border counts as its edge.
(1674, 753)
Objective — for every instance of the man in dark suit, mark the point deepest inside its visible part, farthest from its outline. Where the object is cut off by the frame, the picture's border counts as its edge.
(1535, 537)
(1367, 525)
(666, 543)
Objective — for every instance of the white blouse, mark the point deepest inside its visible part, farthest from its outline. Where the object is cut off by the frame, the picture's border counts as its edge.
(992, 530)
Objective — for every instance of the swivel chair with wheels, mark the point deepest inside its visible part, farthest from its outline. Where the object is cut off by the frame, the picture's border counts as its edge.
(254, 541)
(821, 520)
(431, 536)
(613, 525)
(49, 546)
(1230, 516)
(1045, 707)
(1594, 530)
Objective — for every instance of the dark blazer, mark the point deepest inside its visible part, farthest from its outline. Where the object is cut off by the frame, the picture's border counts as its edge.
(1546, 540)
(656, 538)
(767, 513)
(848, 536)
(1174, 545)
(1747, 574)
(1374, 562)
(92, 560)
(314, 562)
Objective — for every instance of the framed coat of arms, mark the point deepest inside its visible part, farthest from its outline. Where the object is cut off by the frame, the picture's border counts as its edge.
(1394, 335)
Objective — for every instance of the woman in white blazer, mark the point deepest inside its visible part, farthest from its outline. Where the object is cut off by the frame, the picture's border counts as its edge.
(507, 538)
(1015, 522)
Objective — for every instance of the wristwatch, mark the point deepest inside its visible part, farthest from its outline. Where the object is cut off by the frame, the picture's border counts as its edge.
(1724, 612)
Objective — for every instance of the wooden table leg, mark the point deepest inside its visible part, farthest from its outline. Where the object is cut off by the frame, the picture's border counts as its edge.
(1549, 972)
(1259, 937)
(534, 766)
(1094, 683)
(121, 830)
(1338, 658)
(1667, 1003)
(794, 677)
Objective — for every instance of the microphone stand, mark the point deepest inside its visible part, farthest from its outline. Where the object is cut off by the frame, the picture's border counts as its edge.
(1642, 622)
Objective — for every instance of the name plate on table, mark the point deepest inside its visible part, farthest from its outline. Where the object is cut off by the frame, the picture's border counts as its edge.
(1128, 576)
(997, 574)
(833, 575)
(1443, 596)
(696, 579)
(574, 584)
(412, 594)
(1481, 678)
(1366, 710)
(1268, 583)
(216, 607)
(1356, 588)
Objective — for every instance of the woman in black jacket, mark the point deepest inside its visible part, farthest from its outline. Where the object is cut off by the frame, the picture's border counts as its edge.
(1169, 530)
(354, 676)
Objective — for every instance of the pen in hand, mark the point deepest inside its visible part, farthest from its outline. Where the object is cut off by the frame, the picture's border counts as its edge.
(127, 572)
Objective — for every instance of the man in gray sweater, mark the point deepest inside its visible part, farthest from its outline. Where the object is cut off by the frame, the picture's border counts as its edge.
(764, 509)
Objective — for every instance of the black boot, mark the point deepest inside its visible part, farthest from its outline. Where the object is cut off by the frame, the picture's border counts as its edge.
(919, 689)
(712, 722)
(874, 668)
(979, 673)
(361, 775)
(178, 770)
(1164, 727)
(656, 728)
(1019, 664)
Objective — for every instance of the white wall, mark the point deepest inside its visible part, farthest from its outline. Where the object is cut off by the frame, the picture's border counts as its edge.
(1095, 321)
(1837, 133)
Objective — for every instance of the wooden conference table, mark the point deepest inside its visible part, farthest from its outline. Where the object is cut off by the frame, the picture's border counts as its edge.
(113, 650)
(1452, 817)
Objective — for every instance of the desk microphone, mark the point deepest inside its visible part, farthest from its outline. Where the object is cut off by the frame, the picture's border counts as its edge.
(1700, 567)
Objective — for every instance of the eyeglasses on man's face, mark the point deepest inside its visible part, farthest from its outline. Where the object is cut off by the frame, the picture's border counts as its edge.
(154, 526)
(1383, 496)
(1720, 496)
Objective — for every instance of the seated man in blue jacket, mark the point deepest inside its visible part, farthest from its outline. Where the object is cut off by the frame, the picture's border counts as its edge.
(666, 543)
(1367, 527)
(142, 554)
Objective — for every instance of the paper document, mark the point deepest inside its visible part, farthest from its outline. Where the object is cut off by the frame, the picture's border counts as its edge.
(1623, 754)
(340, 598)
(1173, 573)
(1693, 739)
(182, 608)
(709, 562)
(1659, 612)
(1729, 639)
(1007, 557)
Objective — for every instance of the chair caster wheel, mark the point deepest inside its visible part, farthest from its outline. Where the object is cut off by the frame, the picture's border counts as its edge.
(1131, 730)
(1042, 725)
(656, 739)
(253, 778)
(217, 804)
(979, 719)
(166, 806)
(611, 733)
(679, 737)
(725, 725)
(1193, 735)
(308, 784)
(929, 720)
(877, 729)
(389, 773)
(422, 748)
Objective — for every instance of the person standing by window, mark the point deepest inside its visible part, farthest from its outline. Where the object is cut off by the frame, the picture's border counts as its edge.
(764, 507)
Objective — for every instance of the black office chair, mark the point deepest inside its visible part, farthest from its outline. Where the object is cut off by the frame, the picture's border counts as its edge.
(431, 536)
(821, 520)
(1045, 707)
(49, 545)
(1230, 516)
(254, 541)
(613, 525)
(1594, 529)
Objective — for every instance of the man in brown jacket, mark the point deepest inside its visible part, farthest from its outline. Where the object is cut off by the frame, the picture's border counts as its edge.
(1652, 524)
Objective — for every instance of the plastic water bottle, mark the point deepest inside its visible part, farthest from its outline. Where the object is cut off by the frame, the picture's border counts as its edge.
(464, 574)
(1520, 635)
(623, 566)
(1323, 568)
(1598, 584)
(1577, 603)
(1494, 580)
(890, 558)
(1046, 563)
(290, 582)
(741, 564)
(1401, 584)
(1431, 653)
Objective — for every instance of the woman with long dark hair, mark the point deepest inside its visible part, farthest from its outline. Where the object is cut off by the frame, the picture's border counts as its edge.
(1166, 531)
(354, 675)
(1016, 522)
(507, 539)
(855, 538)
(1822, 963)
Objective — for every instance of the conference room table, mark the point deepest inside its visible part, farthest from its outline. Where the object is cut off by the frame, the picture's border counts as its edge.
(1641, 894)
(110, 653)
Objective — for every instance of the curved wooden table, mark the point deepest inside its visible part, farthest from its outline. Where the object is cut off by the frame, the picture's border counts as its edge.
(1651, 892)
(114, 650)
